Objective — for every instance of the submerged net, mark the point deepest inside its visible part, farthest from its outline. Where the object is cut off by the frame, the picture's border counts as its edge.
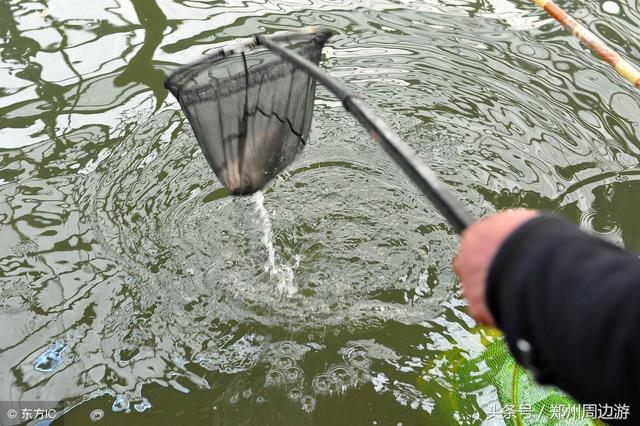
(492, 387)
(249, 109)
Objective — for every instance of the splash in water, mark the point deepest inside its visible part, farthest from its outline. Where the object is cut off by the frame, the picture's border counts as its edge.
(280, 272)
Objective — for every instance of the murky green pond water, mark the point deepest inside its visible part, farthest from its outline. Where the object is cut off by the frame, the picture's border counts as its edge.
(132, 283)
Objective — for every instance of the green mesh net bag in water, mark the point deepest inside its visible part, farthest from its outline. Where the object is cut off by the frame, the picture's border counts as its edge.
(492, 388)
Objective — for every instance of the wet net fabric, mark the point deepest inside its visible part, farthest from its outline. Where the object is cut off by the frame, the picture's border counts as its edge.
(493, 384)
(249, 109)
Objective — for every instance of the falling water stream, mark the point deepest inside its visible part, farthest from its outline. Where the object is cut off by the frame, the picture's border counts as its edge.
(280, 272)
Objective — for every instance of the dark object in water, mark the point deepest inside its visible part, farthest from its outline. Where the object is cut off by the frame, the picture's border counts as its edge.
(249, 109)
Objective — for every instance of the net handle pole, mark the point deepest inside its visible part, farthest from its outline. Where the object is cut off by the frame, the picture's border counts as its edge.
(610, 56)
(425, 179)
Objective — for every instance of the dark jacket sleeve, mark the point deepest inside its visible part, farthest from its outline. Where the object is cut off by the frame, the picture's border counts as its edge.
(569, 305)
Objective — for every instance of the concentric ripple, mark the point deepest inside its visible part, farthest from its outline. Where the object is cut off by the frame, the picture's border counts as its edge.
(157, 208)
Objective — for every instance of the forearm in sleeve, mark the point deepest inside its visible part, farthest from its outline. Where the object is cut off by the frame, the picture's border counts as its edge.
(569, 305)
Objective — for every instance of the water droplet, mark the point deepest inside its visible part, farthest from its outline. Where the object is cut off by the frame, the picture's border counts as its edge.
(285, 362)
(274, 378)
(321, 384)
(51, 359)
(308, 403)
(142, 405)
(295, 394)
(293, 374)
(120, 404)
(356, 355)
(285, 347)
(362, 376)
(343, 377)
(96, 415)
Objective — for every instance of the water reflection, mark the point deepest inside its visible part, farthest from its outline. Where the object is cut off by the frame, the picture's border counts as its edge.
(140, 68)
(20, 51)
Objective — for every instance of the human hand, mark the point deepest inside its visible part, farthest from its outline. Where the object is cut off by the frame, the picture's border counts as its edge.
(480, 244)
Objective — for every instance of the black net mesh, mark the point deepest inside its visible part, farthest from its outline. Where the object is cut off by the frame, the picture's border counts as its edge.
(249, 109)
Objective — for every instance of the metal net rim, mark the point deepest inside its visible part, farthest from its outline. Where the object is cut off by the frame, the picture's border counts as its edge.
(174, 82)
